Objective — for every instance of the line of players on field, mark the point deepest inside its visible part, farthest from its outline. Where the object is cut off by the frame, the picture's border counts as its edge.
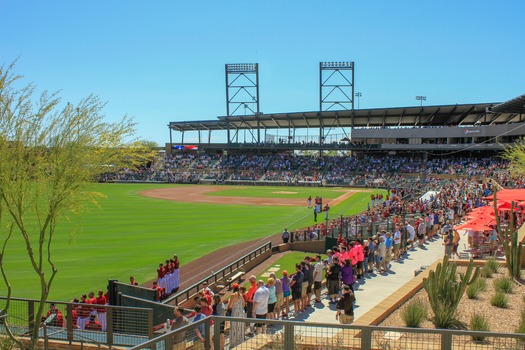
(168, 278)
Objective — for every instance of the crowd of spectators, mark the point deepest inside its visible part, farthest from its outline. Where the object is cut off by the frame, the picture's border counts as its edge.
(368, 171)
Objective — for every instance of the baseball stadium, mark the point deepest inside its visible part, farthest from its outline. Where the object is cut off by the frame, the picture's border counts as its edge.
(239, 200)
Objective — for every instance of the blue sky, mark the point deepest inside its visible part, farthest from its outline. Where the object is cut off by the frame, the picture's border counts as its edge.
(162, 61)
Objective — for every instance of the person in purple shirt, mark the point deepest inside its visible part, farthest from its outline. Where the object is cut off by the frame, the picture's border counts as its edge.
(286, 294)
(347, 274)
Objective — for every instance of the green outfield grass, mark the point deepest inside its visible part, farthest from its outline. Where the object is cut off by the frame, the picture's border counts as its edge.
(128, 234)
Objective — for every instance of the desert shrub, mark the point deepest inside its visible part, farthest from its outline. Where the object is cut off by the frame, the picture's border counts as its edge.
(493, 264)
(500, 300)
(486, 272)
(521, 326)
(478, 322)
(482, 282)
(414, 313)
(473, 291)
(504, 284)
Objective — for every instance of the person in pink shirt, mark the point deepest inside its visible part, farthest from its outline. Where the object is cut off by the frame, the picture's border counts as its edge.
(337, 253)
(352, 253)
(360, 254)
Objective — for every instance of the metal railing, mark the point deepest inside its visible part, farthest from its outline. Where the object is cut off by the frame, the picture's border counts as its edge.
(289, 335)
(114, 326)
(219, 276)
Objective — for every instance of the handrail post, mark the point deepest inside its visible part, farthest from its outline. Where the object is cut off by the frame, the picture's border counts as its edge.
(288, 338)
(217, 334)
(366, 339)
(446, 341)
(207, 334)
(69, 322)
(109, 325)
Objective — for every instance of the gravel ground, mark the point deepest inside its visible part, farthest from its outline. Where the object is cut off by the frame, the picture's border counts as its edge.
(500, 320)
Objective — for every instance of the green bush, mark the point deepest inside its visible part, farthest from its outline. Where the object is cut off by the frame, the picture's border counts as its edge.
(521, 327)
(478, 322)
(499, 300)
(493, 264)
(504, 284)
(473, 291)
(414, 313)
(476, 287)
(482, 282)
(486, 272)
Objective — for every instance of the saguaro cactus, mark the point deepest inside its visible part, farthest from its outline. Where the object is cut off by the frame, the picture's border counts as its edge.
(508, 236)
(445, 290)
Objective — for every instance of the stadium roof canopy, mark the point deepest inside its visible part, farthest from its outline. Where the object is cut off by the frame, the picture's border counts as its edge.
(516, 105)
(458, 114)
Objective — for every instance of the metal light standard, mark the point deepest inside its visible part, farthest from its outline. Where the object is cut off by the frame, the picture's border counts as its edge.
(358, 95)
(421, 99)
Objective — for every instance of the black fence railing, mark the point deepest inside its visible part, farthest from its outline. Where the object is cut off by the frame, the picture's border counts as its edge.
(221, 276)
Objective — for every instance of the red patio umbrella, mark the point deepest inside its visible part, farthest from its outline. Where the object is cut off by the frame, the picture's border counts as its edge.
(472, 226)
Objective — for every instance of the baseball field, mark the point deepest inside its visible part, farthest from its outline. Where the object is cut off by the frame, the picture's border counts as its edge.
(136, 226)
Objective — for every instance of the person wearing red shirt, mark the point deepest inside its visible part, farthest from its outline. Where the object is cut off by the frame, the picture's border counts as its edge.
(160, 291)
(249, 296)
(161, 277)
(101, 311)
(58, 320)
(93, 324)
(176, 272)
(168, 276)
(83, 311)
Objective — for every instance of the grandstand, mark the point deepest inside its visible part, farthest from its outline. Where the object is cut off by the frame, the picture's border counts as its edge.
(482, 128)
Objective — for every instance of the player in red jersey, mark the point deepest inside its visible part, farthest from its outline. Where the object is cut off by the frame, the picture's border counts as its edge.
(101, 311)
(161, 277)
(176, 272)
(83, 311)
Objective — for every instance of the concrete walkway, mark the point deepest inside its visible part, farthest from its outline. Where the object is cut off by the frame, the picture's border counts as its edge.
(375, 288)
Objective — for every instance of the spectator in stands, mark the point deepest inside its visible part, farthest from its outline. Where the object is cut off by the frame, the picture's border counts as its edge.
(207, 289)
(132, 281)
(345, 306)
(160, 291)
(198, 339)
(260, 305)
(285, 280)
(296, 287)
(93, 324)
(249, 296)
(179, 339)
(54, 317)
(279, 295)
(272, 298)
(218, 310)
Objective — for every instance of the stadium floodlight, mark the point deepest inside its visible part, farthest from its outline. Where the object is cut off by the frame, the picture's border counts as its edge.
(421, 99)
(241, 67)
(338, 65)
(358, 95)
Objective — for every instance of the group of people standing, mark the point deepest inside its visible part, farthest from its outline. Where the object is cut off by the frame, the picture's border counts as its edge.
(168, 278)
(318, 206)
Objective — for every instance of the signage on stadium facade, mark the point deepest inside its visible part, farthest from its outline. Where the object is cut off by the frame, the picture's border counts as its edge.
(472, 131)
(186, 148)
